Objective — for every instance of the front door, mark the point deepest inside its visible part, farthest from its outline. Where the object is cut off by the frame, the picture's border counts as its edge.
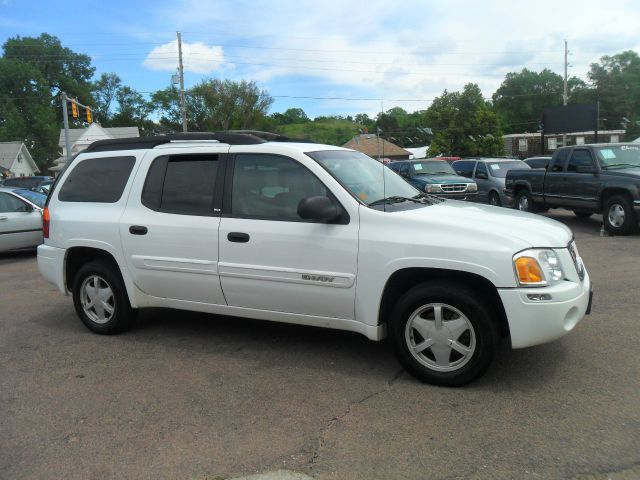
(482, 179)
(271, 259)
(20, 225)
(169, 230)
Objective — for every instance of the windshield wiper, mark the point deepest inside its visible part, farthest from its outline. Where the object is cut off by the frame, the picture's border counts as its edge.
(394, 199)
(621, 165)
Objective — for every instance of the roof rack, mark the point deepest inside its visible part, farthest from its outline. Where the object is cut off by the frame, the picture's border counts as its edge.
(231, 137)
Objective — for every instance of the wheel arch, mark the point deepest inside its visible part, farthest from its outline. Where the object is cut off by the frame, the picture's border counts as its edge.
(613, 190)
(77, 256)
(404, 279)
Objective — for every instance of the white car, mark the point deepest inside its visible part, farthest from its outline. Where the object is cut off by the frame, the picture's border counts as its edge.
(20, 218)
(231, 224)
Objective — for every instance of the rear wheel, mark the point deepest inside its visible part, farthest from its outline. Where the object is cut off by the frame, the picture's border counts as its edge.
(494, 199)
(524, 202)
(618, 215)
(443, 334)
(100, 298)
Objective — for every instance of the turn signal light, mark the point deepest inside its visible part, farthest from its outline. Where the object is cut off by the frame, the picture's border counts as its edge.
(45, 222)
(529, 271)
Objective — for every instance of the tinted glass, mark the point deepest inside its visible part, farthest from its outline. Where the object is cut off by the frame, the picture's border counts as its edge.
(181, 184)
(9, 203)
(464, 167)
(481, 170)
(579, 158)
(537, 162)
(500, 169)
(23, 182)
(100, 180)
(560, 160)
(270, 186)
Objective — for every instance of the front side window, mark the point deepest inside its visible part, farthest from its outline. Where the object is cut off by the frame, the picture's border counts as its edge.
(560, 160)
(464, 167)
(364, 177)
(579, 158)
(10, 204)
(271, 187)
(182, 184)
(481, 170)
(100, 180)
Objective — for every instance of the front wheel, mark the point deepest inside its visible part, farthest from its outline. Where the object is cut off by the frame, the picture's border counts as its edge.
(494, 199)
(618, 215)
(443, 334)
(524, 202)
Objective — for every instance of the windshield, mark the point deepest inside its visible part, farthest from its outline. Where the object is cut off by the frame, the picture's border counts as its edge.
(362, 176)
(433, 167)
(34, 197)
(622, 156)
(500, 169)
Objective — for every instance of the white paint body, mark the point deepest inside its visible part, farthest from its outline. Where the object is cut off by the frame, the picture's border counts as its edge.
(186, 262)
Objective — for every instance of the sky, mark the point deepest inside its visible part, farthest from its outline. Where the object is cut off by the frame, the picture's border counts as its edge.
(333, 57)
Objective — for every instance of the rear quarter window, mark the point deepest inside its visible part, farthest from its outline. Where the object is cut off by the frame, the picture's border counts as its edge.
(99, 180)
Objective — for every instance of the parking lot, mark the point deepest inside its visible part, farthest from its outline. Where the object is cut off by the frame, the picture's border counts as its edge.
(194, 396)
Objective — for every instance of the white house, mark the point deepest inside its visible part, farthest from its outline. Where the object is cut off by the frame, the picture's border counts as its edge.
(16, 160)
(81, 138)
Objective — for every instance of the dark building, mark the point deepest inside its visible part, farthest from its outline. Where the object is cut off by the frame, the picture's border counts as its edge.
(523, 145)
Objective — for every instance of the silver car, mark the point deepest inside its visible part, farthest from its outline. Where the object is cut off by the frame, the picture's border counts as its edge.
(20, 218)
(489, 174)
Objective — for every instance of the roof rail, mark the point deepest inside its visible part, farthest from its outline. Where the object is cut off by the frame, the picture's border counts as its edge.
(231, 137)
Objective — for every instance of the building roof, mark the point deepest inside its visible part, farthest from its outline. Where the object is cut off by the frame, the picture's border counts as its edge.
(373, 146)
(8, 153)
(115, 132)
(600, 132)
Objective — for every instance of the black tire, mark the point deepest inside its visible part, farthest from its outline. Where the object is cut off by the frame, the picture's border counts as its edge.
(483, 338)
(613, 207)
(100, 274)
(524, 202)
(494, 199)
(582, 214)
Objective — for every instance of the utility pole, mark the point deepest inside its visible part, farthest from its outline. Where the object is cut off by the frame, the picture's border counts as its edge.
(565, 94)
(181, 73)
(65, 119)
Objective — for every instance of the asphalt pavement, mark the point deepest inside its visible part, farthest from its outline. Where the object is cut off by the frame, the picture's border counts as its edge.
(193, 396)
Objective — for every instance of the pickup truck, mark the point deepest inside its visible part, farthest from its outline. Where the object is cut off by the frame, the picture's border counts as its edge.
(588, 179)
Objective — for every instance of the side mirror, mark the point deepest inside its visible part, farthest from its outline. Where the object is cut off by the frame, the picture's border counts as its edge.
(585, 169)
(318, 208)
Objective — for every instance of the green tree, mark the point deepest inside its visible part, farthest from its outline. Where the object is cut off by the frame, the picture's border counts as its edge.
(522, 97)
(464, 124)
(291, 115)
(103, 92)
(133, 110)
(616, 84)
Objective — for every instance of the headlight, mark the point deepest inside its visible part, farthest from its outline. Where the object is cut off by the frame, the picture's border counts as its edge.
(472, 187)
(537, 268)
(433, 188)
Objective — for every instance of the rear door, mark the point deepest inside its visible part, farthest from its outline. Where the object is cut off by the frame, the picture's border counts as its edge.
(20, 224)
(170, 227)
(556, 181)
(481, 177)
(582, 188)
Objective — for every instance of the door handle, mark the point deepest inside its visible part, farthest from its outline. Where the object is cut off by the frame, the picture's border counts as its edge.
(238, 237)
(4, 219)
(138, 230)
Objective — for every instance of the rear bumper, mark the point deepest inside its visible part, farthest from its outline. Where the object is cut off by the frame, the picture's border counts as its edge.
(535, 322)
(51, 265)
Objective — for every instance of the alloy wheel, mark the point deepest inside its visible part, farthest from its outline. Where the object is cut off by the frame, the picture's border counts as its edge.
(97, 299)
(616, 215)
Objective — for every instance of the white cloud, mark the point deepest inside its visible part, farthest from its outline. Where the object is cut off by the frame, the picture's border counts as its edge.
(196, 57)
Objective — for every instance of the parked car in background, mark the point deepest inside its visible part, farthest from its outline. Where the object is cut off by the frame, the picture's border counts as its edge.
(489, 174)
(436, 177)
(588, 179)
(446, 159)
(537, 162)
(30, 183)
(44, 187)
(20, 218)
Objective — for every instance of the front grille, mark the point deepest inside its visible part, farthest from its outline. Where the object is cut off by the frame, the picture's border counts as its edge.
(577, 261)
(454, 187)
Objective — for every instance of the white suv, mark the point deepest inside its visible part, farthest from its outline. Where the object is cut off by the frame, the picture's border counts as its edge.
(231, 224)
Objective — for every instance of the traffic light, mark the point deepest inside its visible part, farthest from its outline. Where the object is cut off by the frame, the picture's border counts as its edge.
(87, 115)
(74, 109)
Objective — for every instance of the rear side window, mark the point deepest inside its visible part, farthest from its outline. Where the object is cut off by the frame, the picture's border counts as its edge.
(183, 184)
(560, 160)
(100, 180)
(579, 158)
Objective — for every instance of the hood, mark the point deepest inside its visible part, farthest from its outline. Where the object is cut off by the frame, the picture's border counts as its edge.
(442, 179)
(496, 224)
(625, 172)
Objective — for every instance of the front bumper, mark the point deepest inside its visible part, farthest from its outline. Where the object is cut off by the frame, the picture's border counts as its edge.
(532, 322)
(470, 197)
(51, 265)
